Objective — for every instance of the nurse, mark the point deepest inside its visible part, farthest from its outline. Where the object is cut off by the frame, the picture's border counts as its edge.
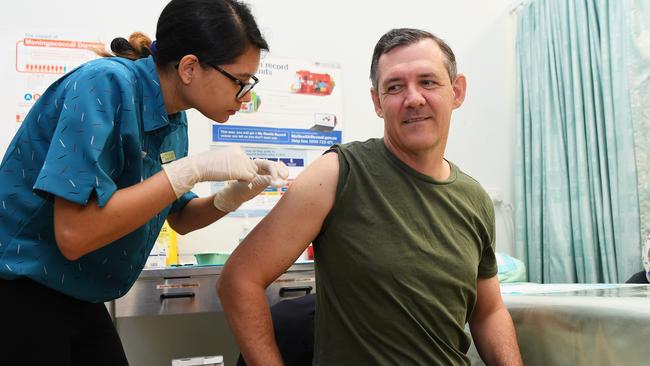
(100, 162)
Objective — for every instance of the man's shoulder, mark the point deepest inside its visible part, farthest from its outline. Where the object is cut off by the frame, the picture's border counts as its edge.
(463, 176)
(471, 187)
(370, 145)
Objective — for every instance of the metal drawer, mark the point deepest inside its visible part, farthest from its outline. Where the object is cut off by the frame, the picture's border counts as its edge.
(170, 295)
(291, 285)
(193, 290)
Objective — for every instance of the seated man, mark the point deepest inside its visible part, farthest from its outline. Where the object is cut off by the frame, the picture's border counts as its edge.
(403, 239)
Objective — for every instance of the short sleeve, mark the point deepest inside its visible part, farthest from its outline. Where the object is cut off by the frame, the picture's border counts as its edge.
(182, 201)
(488, 265)
(85, 154)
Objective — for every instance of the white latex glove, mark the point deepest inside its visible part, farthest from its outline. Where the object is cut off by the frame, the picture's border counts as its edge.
(234, 193)
(275, 169)
(230, 163)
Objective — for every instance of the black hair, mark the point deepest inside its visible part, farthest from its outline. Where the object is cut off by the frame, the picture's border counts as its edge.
(406, 36)
(137, 46)
(215, 31)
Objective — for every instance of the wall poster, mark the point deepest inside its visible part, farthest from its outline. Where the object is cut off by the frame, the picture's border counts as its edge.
(295, 114)
(30, 61)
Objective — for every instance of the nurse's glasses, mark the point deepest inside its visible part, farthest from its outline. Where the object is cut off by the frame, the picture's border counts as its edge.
(244, 87)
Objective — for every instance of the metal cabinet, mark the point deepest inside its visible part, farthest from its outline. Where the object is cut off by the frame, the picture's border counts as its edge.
(186, 290)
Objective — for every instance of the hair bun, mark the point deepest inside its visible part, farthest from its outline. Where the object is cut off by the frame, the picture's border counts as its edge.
(121, 46)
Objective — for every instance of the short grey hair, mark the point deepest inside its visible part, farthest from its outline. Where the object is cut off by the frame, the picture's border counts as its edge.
(403, 37)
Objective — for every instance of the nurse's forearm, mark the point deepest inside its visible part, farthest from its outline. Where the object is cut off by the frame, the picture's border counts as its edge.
(197, 213)
(81, 229)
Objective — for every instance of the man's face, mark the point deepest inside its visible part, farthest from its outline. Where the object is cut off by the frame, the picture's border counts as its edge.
(415, 97)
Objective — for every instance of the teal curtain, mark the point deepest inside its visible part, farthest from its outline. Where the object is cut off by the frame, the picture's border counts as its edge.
(576, 199)
(639, 76)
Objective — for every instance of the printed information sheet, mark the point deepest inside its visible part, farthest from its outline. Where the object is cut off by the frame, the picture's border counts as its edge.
(295, 103)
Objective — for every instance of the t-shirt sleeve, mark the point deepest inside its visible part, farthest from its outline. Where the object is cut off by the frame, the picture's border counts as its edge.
(488, 265)
(85, 155)
(182, 201)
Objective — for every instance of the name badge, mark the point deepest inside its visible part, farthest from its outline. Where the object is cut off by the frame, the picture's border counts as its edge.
(167, 156)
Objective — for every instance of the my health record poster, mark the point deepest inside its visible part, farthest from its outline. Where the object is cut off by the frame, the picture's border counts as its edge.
(295, 114)
(297, 103)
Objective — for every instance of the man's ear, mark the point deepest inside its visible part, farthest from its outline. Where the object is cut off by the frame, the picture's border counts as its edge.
(187, 68)
(376, 102)
(460, 87)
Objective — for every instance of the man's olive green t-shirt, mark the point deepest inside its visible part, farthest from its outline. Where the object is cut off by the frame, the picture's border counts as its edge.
(397, 260)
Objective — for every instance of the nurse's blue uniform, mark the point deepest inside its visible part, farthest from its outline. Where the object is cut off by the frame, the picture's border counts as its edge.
(100, 128)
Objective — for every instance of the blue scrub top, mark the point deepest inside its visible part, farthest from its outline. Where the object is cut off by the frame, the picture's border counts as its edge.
(99, 128)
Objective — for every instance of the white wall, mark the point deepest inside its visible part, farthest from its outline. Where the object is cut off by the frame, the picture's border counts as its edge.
(480, 32)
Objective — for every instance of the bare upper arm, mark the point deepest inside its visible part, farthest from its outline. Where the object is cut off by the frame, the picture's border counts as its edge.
(488, 297)
(276, 242)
